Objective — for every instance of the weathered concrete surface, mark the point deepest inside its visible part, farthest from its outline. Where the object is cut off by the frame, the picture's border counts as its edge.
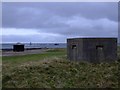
(92, 49)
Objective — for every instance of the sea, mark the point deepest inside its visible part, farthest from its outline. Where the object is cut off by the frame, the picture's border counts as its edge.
(9, 46)
(34, 45)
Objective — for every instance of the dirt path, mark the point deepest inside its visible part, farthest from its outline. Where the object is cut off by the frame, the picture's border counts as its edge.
(11, 53)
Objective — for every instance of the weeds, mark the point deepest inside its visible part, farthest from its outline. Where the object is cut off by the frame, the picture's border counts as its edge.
(58, 72)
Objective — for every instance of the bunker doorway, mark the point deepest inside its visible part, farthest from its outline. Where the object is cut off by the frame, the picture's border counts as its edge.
(74, 51)
(100, 52)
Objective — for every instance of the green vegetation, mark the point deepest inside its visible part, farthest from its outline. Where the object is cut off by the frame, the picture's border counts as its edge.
(52, 70)
(24, 58)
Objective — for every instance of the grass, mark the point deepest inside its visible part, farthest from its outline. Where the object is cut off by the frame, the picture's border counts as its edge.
(53, 70)
(24, 58)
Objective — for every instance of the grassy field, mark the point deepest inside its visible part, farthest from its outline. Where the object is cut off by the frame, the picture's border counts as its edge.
(34, 57)
(52, 70)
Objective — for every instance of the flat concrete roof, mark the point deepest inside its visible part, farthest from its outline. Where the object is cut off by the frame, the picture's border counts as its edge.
(95, 38)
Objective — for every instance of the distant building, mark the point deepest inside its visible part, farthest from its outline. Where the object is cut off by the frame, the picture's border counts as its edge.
(92, 49)
(18, 47)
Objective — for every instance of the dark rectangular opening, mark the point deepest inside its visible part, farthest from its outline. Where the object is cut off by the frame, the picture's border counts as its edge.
(99, 46)
(74, 46)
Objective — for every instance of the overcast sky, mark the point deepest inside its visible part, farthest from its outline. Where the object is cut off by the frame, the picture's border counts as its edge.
(55, 22)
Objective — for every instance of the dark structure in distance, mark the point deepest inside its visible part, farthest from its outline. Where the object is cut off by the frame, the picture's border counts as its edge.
(18, 47)
(93, 50)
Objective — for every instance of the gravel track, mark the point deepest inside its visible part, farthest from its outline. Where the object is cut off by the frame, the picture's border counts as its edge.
(12, 53)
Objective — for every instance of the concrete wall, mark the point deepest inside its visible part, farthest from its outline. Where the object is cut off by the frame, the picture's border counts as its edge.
(92, 49)
(74, 48)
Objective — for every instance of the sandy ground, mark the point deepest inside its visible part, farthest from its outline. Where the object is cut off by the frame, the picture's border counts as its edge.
(11, 53)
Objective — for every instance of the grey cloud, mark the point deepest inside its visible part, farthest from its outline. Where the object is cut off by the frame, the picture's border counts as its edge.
(85, 27)
(29, 38)
(64, 19)
(35, 15)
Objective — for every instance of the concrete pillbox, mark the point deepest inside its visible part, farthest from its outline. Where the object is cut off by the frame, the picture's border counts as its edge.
(92, 49)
